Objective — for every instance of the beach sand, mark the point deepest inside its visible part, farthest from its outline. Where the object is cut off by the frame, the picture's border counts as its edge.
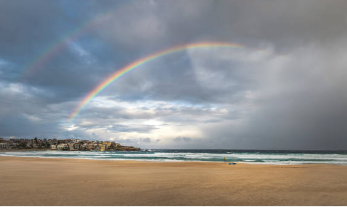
(44, 181)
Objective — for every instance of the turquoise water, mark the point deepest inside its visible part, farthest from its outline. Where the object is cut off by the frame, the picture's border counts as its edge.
(240, 156)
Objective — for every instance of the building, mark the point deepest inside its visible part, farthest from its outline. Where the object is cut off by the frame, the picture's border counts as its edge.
(76, 146)
(107, 143)
(103, 147)
(90, 146)
(12, 145)
(4, 146)
(54, 147)
(70, 146)
(84, 146)
(97, 147)
(29, 144)
(55, 141)
(63, 147)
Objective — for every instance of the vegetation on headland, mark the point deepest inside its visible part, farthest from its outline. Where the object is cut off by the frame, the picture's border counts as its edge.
(62, 144)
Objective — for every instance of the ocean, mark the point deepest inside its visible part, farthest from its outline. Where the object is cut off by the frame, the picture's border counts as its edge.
(163, 155)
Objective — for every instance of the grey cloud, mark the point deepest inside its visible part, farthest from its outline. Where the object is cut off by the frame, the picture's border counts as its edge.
(182, 139)
(301, 108)
(148, 140)
(124, 128)
(283, 24)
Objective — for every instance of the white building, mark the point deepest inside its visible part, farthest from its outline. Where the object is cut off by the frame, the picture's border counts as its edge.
(63, 147)
(3, 146)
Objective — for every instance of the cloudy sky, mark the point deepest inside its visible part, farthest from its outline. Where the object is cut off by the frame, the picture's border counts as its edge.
(285, 89)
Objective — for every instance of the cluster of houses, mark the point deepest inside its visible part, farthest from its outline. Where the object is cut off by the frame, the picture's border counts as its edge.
(66, 144)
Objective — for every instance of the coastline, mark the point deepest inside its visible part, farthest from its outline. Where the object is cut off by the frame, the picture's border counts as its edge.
(160, 161)
(226, 156)
(64, 181)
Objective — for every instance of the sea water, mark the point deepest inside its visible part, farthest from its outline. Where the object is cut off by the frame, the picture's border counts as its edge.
(239, 156)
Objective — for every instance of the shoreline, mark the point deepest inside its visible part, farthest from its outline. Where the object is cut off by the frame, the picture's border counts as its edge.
(160, 161)
(125, 161)
(171, 161)
(64, 181)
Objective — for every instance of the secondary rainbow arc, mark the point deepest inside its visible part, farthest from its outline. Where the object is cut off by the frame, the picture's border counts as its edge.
(113, 77)
(58, 46)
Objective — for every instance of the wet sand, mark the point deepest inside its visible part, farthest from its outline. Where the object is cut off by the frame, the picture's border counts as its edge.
(42, 181)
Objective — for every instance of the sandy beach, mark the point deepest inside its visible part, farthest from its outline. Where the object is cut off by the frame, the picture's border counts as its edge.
(43, 181)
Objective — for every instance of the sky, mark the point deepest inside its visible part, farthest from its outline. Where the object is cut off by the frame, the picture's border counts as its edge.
(284, 89)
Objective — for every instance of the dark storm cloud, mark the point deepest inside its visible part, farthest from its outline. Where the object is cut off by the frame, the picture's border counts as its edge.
(312, 108)
(235, 99)
(283, 24)
(303, 107)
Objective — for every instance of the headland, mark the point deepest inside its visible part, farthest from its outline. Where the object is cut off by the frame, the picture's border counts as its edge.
(61, 144)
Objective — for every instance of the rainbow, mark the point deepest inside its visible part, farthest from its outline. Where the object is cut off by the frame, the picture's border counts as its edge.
(119, 73)
(56, 47)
